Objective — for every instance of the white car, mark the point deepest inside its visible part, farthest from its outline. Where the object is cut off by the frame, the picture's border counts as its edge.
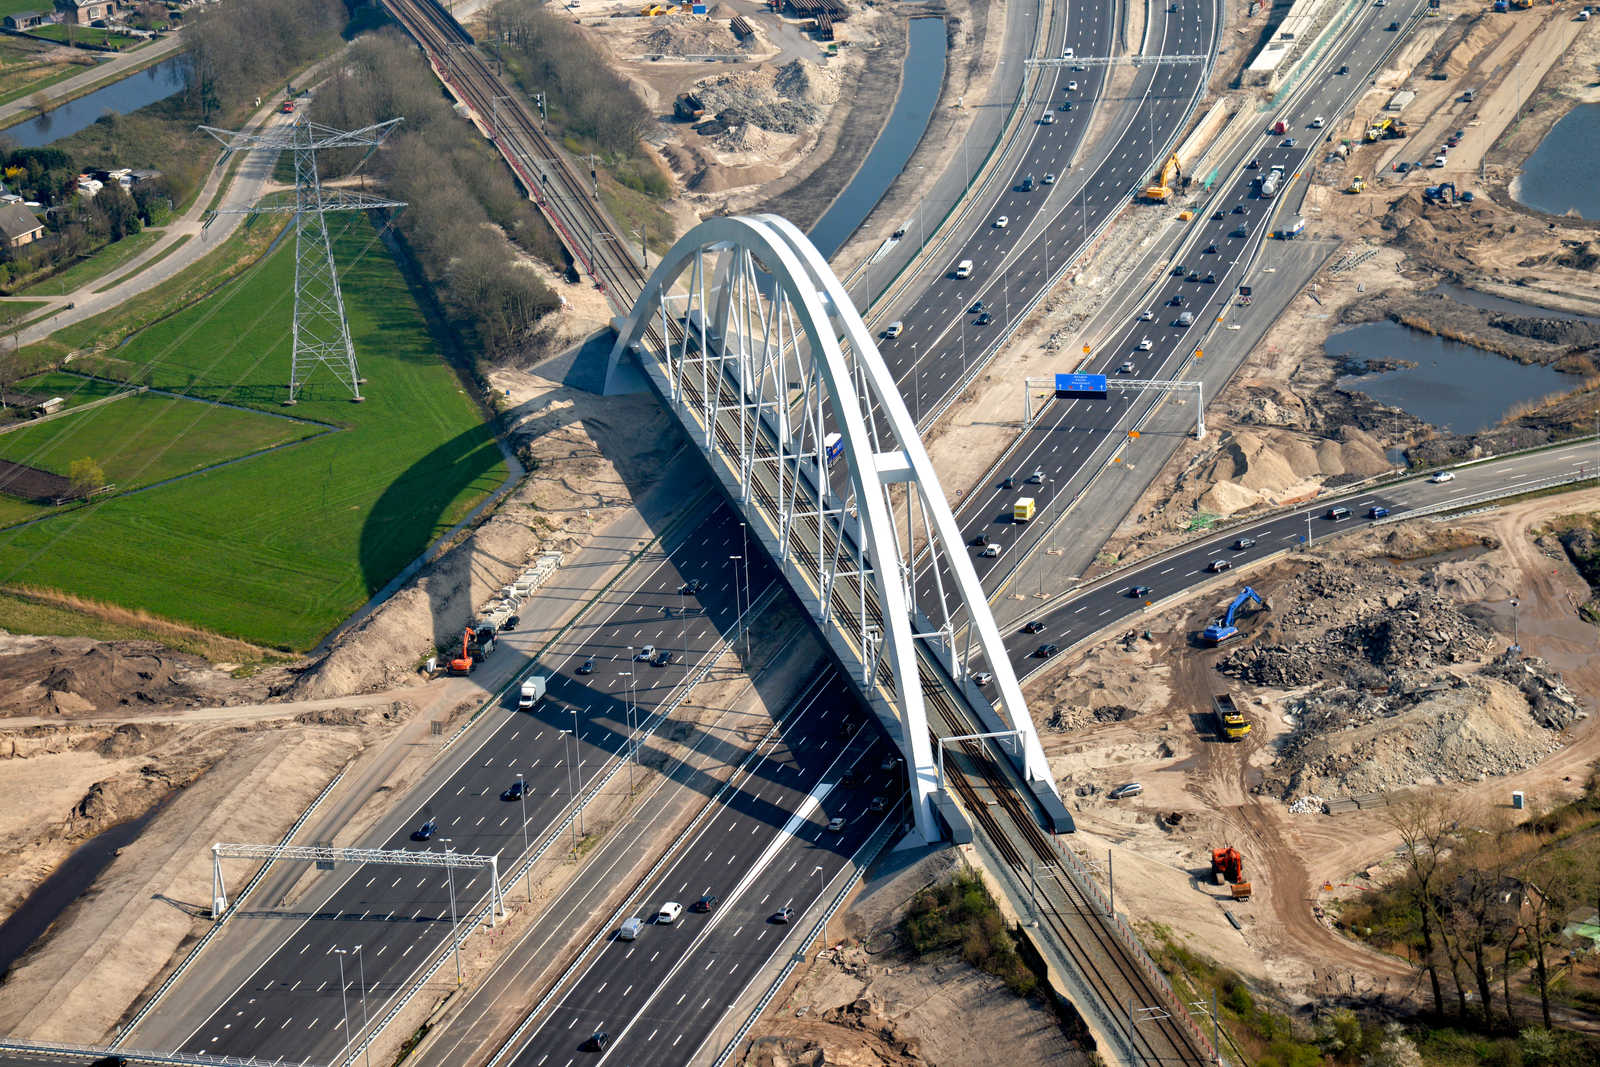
(1072, 87)
(1317, 123)
(1126, 368)
(896, 328)
(990, 551)
(1440, 161)
(982, 678)
(1442, 477)
(1067, 53)
(669, 913)
(1146, 316)
(1047, 119)
(1001, 223)
(1146, 345)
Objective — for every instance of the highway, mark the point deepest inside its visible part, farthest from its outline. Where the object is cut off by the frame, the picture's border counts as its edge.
(762, 849)
(290, 1004)
(1111, 603)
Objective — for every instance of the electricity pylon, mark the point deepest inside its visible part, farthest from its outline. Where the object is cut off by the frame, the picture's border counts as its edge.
(321, 334)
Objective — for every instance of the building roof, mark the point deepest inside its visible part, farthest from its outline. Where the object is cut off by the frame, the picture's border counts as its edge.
(22, 16)
(17, 221)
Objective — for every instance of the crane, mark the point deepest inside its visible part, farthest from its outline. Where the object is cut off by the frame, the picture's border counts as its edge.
(1224, 629)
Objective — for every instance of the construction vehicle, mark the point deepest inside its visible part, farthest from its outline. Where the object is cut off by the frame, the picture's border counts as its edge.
(1521, 5)
(1159, 191)
(1357, 184)
(1279, 127)
(1386, 128)
(1227, 867)
(1224, 629)
(1230, 720)
(463, 663)
(1022, 510)
(533, 691)
(477, 642)
(659, 9)
(1269, 184)
(1443, 193)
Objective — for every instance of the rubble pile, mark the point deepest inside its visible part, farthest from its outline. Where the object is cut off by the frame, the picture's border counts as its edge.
(1402, 631)
(1550, 702)
(750, 98)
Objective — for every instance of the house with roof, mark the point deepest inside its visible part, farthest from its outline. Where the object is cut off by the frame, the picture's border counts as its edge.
(83, 12)
(19, 226)
(26, 20)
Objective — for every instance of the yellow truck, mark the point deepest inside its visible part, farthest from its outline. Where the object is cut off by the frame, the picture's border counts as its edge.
(1230, 720)
(1022, 510)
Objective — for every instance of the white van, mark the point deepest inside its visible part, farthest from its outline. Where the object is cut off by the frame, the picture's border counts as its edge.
(964, 269)
(630, 929)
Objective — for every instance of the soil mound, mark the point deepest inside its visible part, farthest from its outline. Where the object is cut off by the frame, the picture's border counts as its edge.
(686, 35)
(750, 97)
(66, 681)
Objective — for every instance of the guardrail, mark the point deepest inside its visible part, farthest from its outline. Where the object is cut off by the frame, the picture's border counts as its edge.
(83, 1052)
(617, 763)
(885, 834)
(1489, 496)
(205, 939)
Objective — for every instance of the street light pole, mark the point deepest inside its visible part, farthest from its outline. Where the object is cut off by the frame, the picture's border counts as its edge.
(522, 798)
(340, 953)
(822, 889)
(450, 879)
(1516, 616)
(572, 798)
(577, 749)
(366, 1021)
(632, 752)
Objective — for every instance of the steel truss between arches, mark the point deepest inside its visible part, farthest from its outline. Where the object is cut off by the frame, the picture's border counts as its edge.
(757, 349)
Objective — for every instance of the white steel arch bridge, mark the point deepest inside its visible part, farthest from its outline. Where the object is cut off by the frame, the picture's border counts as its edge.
(755, 346)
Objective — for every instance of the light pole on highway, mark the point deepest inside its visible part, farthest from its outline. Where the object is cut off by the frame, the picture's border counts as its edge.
(577, 745)
(450, 880)
(572, 797)
(366, 1021)
(962, 322)
(522, 797)
(822, 889)
(633, 751)
(916, 370)
(342, 1001)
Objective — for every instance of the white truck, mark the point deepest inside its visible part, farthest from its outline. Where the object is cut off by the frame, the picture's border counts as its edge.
(532, 692)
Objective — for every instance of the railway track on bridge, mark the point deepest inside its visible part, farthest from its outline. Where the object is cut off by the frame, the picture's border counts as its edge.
(551, 179)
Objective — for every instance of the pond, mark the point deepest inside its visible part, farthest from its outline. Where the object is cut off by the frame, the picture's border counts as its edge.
(1559, 176)
(1453, 386)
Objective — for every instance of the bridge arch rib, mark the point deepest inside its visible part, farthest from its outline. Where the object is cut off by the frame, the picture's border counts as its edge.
(755, 346)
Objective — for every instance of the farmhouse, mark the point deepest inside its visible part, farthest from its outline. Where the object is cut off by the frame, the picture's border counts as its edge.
(19, 226)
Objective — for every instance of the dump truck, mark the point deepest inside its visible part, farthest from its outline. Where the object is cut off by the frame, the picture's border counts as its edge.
(1159, 191)
(533, 691)
(1022, 510)
(1230, 720)
(1227, 868)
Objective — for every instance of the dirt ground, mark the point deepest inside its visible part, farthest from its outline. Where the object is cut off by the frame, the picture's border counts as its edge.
(1139, 710)
(865, 1003)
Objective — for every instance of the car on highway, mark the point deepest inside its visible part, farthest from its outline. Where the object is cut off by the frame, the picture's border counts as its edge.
(1244, 543)
(1046, 650)
(1377, 511)
(425, 831)
(1146, 315)
(1036, 476)
(1002, 222)
(895, 329)
(1344, 68)
(1050, 175)
(836, 824)
(975, 308)
(587, 666)
(1126, 368)
(1145, 344)
(1067, 53)
(1241, 230)
(1337, 513)
(1139, 592)
(1394, 26)
(889, 762)
(706, 903)
(879, 805)
(1066, 105)
(1047, 119)
(598, 1041)
(1184, 320)
(516, 790)
(980, 540)
(691, 587)
(1026, 185)
(783, 915)
(990, 551)
(1179, 270)
(1211, 248)
(983, 319)
(1289, 142)
(1442, 477)
(1317, 123)
(1239, 209)
(630, 929)
(1217, 566)
(1072, 87)
(644, 654)
(1441, 161)
(1126, 789)
(1033, 626)
(669, 913)
(1176, 301)
(1254, 164)
(661, 659)
(982, 678)
(1194, 276)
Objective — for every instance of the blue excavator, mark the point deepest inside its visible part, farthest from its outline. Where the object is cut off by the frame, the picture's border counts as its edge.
(1224, 629)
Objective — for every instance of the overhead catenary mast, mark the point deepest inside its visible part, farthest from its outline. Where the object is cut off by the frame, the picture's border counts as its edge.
(321, 333)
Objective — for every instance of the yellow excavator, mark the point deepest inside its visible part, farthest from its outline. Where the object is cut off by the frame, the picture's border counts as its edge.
(1160, 190)
(1357, 184)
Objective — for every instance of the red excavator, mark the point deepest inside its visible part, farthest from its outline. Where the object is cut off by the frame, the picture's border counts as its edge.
(1227, 866)
(464, 663)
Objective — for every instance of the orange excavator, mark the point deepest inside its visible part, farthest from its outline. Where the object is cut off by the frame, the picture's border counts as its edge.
(1227, 866)
(464, 663)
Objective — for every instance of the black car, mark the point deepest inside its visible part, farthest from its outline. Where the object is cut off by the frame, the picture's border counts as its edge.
(1238, 209)
(512, 623)
(1344, 68)
(1139, 592)
(1194, 276)
(691, 587)
(1210, 278)
(598, 1042)
(1393, 26)
(1034, 626)
(783, 915)
(975, 308)
(425, 831)
(705, 903)
(587, 666)
(984, 319)
(1212, 247)
(1177, 300)
(1219, 565)
(1008, 483)
(981, 540)
(518, 788)
(1047, 650)
(1244, 543)
(1217, 214)
(662, 659)
(1179, 270)
(1066, 105)
(1254, 164)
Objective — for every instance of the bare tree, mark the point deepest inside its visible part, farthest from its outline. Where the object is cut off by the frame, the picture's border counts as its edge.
(1553, 882)
(1426, 826)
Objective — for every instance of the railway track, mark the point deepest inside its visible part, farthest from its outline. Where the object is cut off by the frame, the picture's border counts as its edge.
(551, 179)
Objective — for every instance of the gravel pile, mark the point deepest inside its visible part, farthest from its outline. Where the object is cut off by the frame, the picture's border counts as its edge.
(749, 97)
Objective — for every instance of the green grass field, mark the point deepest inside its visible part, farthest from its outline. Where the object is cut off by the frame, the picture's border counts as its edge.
(86, 270)
(277, 549)
(55, 31)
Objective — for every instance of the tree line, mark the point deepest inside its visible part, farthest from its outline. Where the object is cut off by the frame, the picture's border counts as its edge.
(246, 48)
(464, 219)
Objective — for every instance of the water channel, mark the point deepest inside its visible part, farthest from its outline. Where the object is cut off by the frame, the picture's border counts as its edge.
(1453, 386)
(1559, 176)
(920, 82)
(137, 90)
